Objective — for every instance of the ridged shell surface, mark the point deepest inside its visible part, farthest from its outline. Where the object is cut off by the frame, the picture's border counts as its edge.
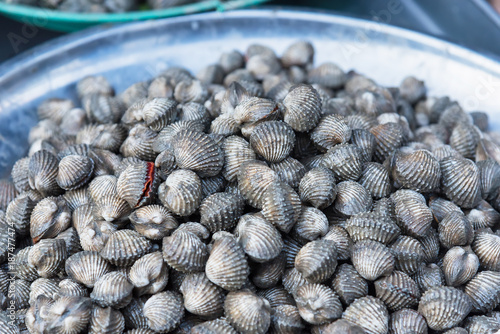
(202, 297)
(184, 251)
(124, 247)
(418, 170)
(369, 313)
(348, 284)
(164, 311)
(181, 192)
(260, 240)
(247, 312)
(372, 259)
(318, 304)
(318, 187)
(352, 198)
(397, 291)
(331, 130)
(317, 260)
(273, 140)
(221, 211)
(461, 181)
(302, 107)
(112, 290)
(281, 206)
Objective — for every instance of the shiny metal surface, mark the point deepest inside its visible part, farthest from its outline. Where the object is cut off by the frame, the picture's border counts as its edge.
(132, 52)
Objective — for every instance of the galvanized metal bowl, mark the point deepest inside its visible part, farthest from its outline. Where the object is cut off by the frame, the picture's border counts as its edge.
(138, 51)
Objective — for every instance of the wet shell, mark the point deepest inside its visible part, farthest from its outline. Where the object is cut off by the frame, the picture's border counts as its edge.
(247, 312)
(42, 173)
(211, 185)
(139, 143)
(181, 192)
(102, 108)
(153, 221)
(286, 319)
(408, 254)
(365, 141)
(369, 313)
(444, 307)
(459, 266)
(372, 259)
(133, 313)
(95, 235)
(68, 287)
(76, 198)
(137, 183)
(231, 61)
(21, 267)
(455, 230)
(48, 257)
(331, 130)
(373, 226)
(236, 151)
(489, 172)
(262, 65)
(345, 161)
(397, 291)
(318, 187)
(260, 240)
(184, 251)
(352, 198)
(19, 211)
(202, 297)
(431, 246)
(441, 207)
(217, 326)
(43, 286)
(221, 211)
(443, 151)
(72, 241)
(163, 141)
(328, 75)
(302, 107)
(159, 112)
(273, 140)
(407, 321)
(290, 171)
(483, 216)
(165, 163)
(299, 53)
(482, 324)
(317, 260)
(111, 208)
(198, 152)
(94, 84)
(348, 284)
(281, 206)
(375, 178)
(254, 109)
(461, 181)
(86, 267)
(388, 137)
(124, 247)
(164, 311)
(112, 290)
(106, 320)
(464, 139)
(190, 91)
(338, 326)
(413, 216)
(484, 291)
(149, 274)
(418, 170)
(277, 296)
(20, 174)
(54, 109)
(68, 314)
(428, 276)
(269, 274)
(311, 224)
(317, 304)
(49, 217)
(103, 136)
(291, 247)
(227, 266)
(487, 248)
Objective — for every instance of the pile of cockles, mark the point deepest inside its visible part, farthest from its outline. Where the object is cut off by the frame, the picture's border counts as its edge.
(264, 194)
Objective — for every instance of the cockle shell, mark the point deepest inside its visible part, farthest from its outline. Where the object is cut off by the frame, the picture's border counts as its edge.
(352, 198)
(149, 274)
(247, 312)
(221, 211)
(459, 266)
(86, 267)
(112, 289)
(375, 178)
(164, 311)
(202, 297)
(317, 260)
(348, 284)
(124, 247)
(345, 161)
(302, 107)
(260, 240)
(48, 257)
(484, 291)
(397, 291)
(181, 192)
(408, 254)
(372, 259)
(487, 248)
(317, 304)
(331, 130)
(461, 181)
(281, 206)
(42, 173)
(369, 313)
(407, 321)
(273, 140)
(106, 320)
(184, 251)
(153, 221)
(236, 151)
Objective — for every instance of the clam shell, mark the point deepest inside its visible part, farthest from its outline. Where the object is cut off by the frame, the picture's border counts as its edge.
(345, 161)
(106, 320)
(247, 312)
(487, 248)
(331, 130)
(254, 109)
(300, 53)
(388, 137)
(455, 230)
(49, 217)
(318, 187)
(19, 174)
(348, 284)
(111, 208)
(181, 192)
(273, 140)
(112, 290)
(444, 307)
(164, 311)
(94, 84)
(43, 286)
(86, 267)
(262, 65)
(68, 287)
(102, 108)
(343, 242)
(441, 207)
(260, 240)
(292, 280)
(221, 211)
(302, 107)
(133, 313)
(217, 326)
(444, 151)
(211, 185)
(124, 247)
(54, 109)
(428, 276)
(185, 252)
(459, 266)
(412, 89)
(407, 321)
(375, 178)
(417, 170)
(48, 257)
(372, 259)
(165, 163)
(338, 326)
(159, 112)
(18, 213)
(408, 254)
(277, 296)
(327, 74)
(21, 266)
(313, 162)
(375, 100)
(163, 140)
(369, 313)
(72, 241)
(153, 221)
(139, 143)
(489, 177)
(281, 206)
(195, 228)
(363, 122)
(69, 314)
(95, 235)
(481, 324)
(19, 294)
(291, 248)
(137, 184)
(290, 171)
(484, 291)
(461, 181)
(227, 266)
(464, 139)
(430, 244)
(230, 61)
(202, 297)
(318, 304)
(286, 319)
(397, 291)
(236, 151)
(42, 173)
(413, 216)
(196, 151)
(317, 260)
(269, 274)
(352, 198)
(311, 224)
(211, 74)
(191, 91)
(76, 198)
(104, 136)
(149, 274)
(483, 216)
(373, 226)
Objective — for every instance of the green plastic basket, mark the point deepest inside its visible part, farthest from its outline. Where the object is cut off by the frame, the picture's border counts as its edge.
(68, 22)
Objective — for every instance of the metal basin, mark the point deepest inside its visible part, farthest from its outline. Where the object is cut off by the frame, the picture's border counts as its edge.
(138, 51)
